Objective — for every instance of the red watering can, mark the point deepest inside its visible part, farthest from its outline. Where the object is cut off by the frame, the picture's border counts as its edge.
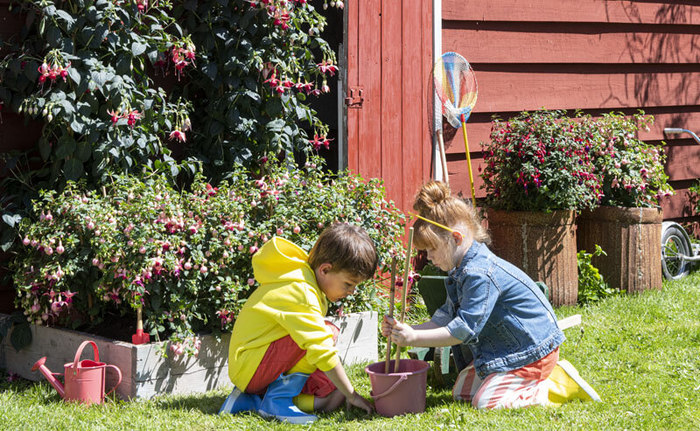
(84, 380)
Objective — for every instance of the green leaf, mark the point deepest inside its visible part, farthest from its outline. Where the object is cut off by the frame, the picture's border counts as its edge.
(21, 336)
(74, 75)
(138, 48)
(11, 219)
(76, 125)
(66, 147)
(44, 149)
(210, 69)
(84, 151)
(73, 169)
(8, 238)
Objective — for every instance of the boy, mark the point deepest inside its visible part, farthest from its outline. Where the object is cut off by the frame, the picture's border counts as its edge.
(282, 357)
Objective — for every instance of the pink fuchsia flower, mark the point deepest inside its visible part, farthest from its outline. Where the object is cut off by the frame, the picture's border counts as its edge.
(141, 5)
(203, 269)
(253, 249)
(187, 265)
(114, 116)
(132, 117)
(26, 241)
(280, 231)
(327, 67)
(296, 229)
(211, 191)
(251, 281)
(318, 141)
(60, 248)
(178, 135)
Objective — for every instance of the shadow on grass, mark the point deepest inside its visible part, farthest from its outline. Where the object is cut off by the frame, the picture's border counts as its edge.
(207, 403)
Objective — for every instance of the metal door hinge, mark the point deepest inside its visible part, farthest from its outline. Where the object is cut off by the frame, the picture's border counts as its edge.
(355, 98)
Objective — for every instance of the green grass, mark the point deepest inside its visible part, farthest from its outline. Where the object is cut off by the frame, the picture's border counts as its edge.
(641, 353)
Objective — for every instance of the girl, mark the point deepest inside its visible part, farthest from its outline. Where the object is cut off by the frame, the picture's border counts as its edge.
(494, 313)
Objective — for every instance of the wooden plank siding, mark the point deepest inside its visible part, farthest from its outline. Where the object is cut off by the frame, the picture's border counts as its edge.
(597, 56)
(390, 59)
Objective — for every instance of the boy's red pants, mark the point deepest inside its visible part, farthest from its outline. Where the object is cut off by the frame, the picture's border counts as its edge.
(279, 358)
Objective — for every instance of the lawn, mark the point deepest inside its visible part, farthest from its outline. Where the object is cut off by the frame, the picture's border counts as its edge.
(641, 353)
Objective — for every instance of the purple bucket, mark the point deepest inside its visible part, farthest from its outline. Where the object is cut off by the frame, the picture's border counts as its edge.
(399, 393)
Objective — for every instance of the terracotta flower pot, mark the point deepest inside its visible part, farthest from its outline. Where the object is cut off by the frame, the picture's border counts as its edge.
(631, 237)
(541, 244)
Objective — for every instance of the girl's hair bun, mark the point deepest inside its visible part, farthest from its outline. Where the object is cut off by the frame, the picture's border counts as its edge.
(430, 196)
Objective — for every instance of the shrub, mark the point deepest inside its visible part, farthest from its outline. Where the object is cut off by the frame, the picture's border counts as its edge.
(538, 161)
(631, 170)
(184, 256)
(123, 85)
(591, 285)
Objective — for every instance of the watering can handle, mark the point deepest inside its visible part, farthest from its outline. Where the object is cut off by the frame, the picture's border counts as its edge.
(76, 363)
(391, 389)
(119, 373)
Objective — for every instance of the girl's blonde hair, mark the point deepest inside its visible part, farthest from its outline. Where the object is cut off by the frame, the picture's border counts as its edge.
(435, 202)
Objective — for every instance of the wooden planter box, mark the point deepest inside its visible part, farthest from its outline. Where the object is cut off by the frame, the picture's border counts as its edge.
(631, 237)
(541, 244)
(146, 373)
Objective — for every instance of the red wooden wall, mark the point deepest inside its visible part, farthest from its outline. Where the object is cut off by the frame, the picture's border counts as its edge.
(389, 46)
(595, 55)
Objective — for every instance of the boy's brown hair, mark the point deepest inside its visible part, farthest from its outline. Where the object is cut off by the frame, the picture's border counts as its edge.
(348, 248)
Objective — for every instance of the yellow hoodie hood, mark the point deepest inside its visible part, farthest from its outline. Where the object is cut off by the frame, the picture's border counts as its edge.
(281, 261)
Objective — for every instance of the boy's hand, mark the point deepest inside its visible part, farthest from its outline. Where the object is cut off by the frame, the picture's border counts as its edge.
(359, 401)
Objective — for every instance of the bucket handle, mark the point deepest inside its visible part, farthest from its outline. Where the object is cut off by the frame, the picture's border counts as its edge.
(391, 389)
(119, 373)
(96, 353)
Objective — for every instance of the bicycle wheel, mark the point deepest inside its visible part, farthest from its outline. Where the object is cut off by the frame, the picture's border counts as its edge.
(674, 244)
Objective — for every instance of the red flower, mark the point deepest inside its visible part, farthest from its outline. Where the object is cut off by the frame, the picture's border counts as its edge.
(115, 116)
(132, 116)
(178, 135)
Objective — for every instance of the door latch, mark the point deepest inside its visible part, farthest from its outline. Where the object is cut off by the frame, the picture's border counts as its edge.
(355, 98)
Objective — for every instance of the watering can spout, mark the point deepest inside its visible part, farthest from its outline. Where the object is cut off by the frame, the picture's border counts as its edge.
(39, 365)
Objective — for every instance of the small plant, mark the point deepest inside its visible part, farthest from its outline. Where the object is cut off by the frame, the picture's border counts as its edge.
(184, 256)
(631, 170)
(538, 161)
(591, 285)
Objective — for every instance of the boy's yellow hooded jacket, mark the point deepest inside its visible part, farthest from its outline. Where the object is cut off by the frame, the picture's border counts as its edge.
(287, 302)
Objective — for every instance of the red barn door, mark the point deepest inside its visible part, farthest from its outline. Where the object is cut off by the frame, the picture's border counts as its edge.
(389, 57)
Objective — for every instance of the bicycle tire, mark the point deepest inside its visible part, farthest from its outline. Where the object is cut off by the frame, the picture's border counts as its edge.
(674, 243)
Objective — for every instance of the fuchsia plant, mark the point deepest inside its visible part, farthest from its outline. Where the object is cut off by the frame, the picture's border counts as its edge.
(126, 85)
(631, 170)
(184, 256)
(539, 161)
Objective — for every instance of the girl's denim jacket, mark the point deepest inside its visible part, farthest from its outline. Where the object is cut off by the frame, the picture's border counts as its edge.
(499, 312)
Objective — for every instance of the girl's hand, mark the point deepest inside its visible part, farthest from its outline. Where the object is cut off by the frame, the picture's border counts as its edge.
(360, 402)
(387, 325)
(403, 334)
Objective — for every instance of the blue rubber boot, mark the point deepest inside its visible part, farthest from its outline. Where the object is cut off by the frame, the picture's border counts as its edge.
(277, 402)
(239, 401)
